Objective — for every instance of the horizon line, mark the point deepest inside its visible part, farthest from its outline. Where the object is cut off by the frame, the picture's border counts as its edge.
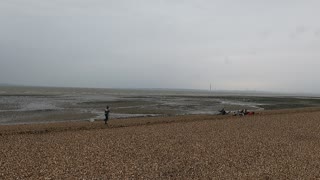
(174, 89)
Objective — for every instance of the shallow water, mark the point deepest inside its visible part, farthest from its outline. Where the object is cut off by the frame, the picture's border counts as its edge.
(39, 104)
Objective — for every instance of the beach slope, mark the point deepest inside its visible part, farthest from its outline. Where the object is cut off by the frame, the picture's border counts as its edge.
(272, 144)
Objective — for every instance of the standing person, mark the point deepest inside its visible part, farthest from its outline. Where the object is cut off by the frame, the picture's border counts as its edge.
(106, 113)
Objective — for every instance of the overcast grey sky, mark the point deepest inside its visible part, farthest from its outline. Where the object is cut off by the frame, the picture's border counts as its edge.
(271, 45)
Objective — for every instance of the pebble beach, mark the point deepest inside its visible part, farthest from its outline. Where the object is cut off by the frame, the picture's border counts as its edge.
(280, 144)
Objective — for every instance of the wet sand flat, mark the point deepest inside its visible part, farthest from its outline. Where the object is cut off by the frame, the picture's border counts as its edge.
(272, 144)
(23, 104)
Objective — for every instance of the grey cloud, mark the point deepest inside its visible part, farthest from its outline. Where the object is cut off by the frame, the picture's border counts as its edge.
(169, 44)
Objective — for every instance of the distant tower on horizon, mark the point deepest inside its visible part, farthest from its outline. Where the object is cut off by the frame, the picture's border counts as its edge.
(212, 88)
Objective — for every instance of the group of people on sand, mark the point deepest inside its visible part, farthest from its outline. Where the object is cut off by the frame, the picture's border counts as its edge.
(242, 112)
